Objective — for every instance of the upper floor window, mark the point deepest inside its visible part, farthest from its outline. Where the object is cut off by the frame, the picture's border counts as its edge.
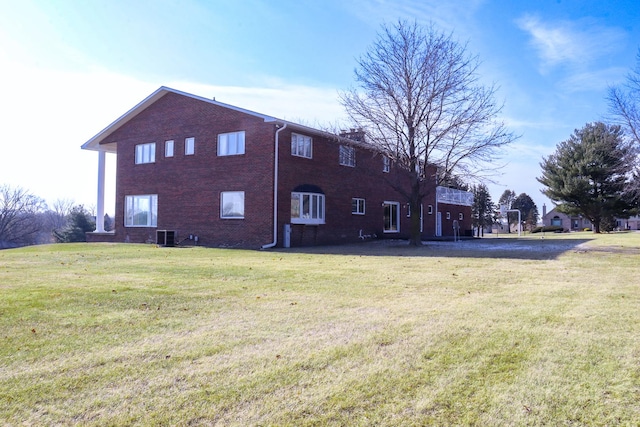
(430, 209)
(141, 211)
(357, 206)
(301, 146)
(232, 204)
(168, 148)
(189, 146)
(146, 153)
(231, 143)
(347, 156)
(386, 164)
(307, 208)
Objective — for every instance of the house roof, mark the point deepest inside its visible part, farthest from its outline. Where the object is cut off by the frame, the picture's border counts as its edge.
(99, 142)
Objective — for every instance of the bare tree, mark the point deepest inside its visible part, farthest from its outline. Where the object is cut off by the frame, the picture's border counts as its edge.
(421, 103)
(624, 102)
(57, 214)
(20, 220)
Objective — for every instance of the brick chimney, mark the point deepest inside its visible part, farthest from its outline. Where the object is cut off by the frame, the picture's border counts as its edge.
(355, 134)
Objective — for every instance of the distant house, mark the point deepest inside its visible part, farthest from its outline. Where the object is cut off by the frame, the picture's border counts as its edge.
(632, 223)
(568, 222)
(192, 168)
(579, 223)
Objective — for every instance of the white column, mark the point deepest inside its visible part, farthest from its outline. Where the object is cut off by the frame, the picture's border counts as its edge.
(100, 207)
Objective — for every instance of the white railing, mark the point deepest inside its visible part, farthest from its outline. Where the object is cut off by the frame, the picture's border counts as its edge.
(453, 196)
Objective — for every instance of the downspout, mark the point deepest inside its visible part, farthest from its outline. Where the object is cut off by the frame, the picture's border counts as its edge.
(275, 193)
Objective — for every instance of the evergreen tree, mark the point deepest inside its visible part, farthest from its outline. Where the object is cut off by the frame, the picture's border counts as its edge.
(482, 208)
(528, 210)
(79, 223)
(589, 173)
(506, 199)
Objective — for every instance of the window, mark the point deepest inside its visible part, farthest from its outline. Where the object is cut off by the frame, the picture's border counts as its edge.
(301, 146)
(189, 146)
(386, 164)
(232, 204)
(430, 209)
(357, 206)
(557, 221)
(347, 156)
(391, 217)
(168, 148)
(230, 144)
(448, 215)
(146, 153)
(307, 208)
(141, 211)
(460, 216)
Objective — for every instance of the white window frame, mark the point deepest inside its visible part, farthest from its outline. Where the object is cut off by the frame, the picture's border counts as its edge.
(169, 148)
(386, 164)
(430, 209)
(347, 156)
(133, 208)
(460, 216)
(448, 215)
(393, 206)
(145, 153)
(307, 208)
(301, 146)
(358, 206)
(236, 200)
(231, 143)
(189, 146)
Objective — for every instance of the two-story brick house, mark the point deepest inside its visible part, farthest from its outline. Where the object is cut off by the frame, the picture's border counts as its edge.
(202, 169)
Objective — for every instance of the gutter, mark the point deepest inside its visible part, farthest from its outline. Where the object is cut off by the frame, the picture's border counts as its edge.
(275, 193)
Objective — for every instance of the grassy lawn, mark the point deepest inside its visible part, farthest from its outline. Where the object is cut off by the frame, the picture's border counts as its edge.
(530, 331)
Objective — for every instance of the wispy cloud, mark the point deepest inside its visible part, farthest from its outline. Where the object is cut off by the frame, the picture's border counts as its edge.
(450, 16)
(593, 80)
(575, 43)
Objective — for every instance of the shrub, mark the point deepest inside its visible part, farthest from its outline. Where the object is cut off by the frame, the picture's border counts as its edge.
(548, 228)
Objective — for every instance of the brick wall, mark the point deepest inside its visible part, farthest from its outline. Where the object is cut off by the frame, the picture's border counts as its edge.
(189, 186)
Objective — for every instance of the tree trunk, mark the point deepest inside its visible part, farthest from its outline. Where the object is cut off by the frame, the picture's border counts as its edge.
(415, 238)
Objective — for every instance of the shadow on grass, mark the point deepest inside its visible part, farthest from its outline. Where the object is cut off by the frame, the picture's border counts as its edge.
(510, 248)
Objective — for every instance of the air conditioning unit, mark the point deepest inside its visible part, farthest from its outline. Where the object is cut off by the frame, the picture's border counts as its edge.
(165, 237)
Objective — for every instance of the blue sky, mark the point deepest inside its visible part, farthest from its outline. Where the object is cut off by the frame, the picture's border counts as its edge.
(72, 67)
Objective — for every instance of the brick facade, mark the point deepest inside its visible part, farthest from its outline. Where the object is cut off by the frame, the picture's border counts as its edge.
(188, 187)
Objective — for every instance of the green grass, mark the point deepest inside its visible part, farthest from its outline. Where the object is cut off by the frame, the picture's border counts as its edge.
(527, 331)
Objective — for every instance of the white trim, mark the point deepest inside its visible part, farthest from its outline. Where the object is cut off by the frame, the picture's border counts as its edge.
(100, 205)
